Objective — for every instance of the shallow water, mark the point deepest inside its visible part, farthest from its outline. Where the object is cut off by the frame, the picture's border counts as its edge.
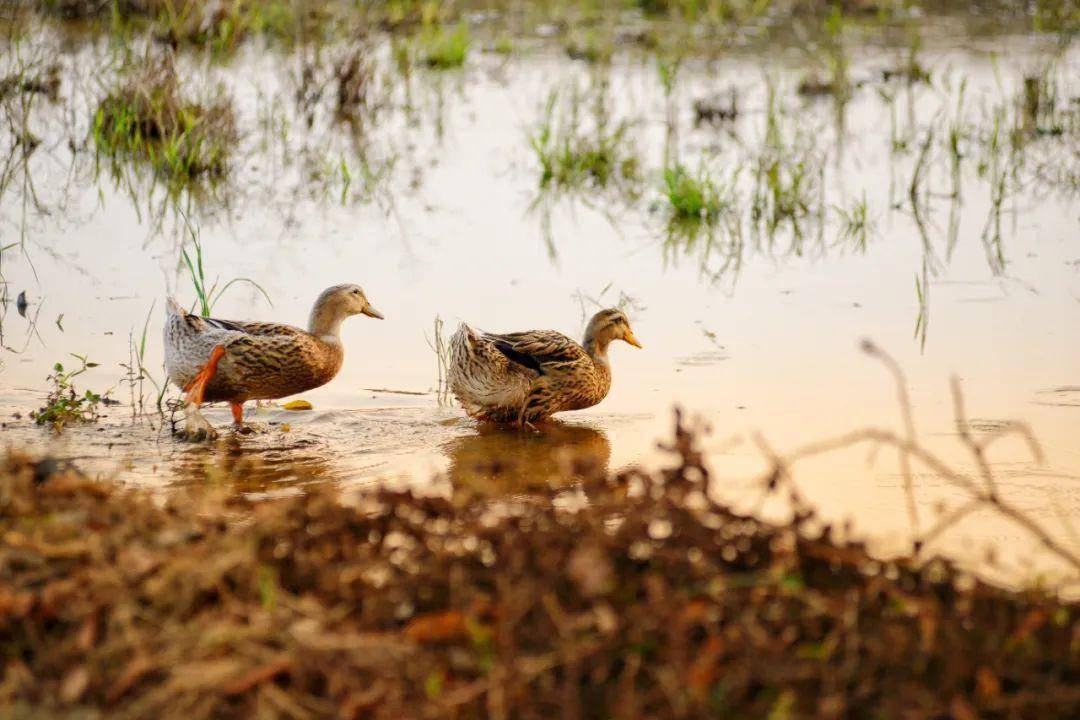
(753, 334)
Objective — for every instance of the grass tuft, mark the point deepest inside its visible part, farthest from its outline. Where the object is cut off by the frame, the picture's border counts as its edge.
(146, 116)
(696, 196)
(208, 295)
(445, 50)
(855, 223)
(570, 158)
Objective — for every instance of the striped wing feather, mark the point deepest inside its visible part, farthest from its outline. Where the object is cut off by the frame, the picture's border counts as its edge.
(261, 329)
(538, 349)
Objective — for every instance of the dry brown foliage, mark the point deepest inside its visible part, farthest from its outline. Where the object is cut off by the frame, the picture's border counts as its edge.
(651, 600)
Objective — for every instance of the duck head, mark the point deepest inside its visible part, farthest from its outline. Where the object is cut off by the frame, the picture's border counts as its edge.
(607, 326)
(334, 305)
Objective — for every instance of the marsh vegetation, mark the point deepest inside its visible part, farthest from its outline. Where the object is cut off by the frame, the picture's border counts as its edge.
(146, 116)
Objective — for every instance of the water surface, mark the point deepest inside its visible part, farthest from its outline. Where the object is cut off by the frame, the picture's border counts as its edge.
(440, 213)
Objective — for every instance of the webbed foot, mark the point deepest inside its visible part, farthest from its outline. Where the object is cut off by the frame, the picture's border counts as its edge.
(196, 427)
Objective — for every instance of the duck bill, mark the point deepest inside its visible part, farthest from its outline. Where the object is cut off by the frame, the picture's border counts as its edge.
(372, 313)
(631, 339)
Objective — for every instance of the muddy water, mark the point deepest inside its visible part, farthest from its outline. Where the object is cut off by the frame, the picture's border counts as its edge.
(449, 222)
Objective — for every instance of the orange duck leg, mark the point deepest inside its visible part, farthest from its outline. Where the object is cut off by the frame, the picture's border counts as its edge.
(195, 425)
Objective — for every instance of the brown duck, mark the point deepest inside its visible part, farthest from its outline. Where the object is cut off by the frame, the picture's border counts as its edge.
(526, 377)
(225, 360)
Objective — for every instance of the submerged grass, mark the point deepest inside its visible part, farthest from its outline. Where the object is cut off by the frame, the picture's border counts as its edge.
(443, 49)
(146, 116)
(220, 27)
(855, 223)
(572, 158)
(223, 26)
(832, 58)
(697, 195)
(788, 176)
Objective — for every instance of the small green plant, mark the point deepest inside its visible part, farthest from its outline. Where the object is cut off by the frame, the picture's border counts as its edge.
(696, 196)
(444, 50)
(137, 374)
(855, 223)
(1041, 111)
(668, 71)
(207, 296)
(909, 69)
(835, 61)
(956, 138)
(64, 405)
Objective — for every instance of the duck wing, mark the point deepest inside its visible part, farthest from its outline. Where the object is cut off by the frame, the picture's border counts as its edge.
(258, 329)
(538, 350)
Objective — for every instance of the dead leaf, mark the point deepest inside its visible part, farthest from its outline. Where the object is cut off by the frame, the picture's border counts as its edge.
(298, 405)
(440, 627)
(136, 561)
(257, 676)
(702, 672)
(961, 709)
(1031, 623)
(88, 632)
(986, 683)
(135, 671)
(74, 684)
(590, 567)
(357, 704)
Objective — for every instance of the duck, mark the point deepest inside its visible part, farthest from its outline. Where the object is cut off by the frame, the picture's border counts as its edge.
(526, 377)
(214, 360)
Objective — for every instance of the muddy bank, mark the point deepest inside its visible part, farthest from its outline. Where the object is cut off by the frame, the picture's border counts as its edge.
(649, 600)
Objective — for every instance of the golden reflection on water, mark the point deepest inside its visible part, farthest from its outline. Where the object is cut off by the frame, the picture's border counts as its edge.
(496, 460)
(233, 462)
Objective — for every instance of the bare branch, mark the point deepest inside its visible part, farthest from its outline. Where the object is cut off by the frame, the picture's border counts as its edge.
(964, 431)
(904, 401)
(982, 494)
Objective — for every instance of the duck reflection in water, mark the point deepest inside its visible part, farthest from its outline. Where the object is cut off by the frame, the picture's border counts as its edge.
(250, 466)
(497, 459)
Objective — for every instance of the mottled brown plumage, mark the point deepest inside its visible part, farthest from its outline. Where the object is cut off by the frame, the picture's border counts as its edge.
(525, 377)
(256, 360)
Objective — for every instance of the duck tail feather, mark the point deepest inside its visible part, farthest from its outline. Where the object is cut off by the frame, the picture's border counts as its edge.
(479, 375)
(464, 340)
(173, 308)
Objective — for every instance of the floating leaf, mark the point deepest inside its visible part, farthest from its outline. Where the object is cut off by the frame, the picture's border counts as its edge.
(298, 405)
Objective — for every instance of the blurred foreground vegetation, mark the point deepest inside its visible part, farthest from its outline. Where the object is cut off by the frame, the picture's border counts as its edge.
(648, 600)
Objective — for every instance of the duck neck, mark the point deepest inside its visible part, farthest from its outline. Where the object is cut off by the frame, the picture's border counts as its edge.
(325, 324)
(597, 350)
